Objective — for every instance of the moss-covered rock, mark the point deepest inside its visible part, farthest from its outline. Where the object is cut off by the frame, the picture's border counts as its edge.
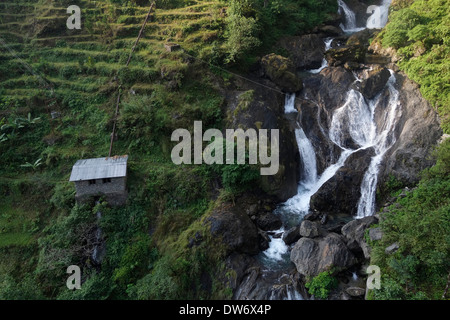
(354, 50)
(281, 71)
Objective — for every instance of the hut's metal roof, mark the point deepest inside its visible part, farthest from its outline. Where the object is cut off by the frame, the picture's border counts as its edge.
(99, 168)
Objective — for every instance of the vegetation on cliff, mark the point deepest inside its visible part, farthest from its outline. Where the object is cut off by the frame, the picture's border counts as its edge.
(420, 221)
(420, 33)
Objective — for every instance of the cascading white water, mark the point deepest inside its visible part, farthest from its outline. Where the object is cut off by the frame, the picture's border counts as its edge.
(356, 119)
(308, 157)
(379, 17)
(349, 24)
(383, 141)
(324, 64)
(289, 103)
(292, 294)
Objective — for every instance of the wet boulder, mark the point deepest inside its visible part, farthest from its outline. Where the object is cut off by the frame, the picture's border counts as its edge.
(375, 82)
(292, 235)
(268, 221)
(353, 51)
(353, 233)
(417, 132)
(329, 89)
(340, 194)
(341, 55)
(310, 229)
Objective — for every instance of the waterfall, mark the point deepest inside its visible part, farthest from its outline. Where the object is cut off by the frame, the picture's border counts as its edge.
(327, 42)
(311, 183)
(99, 248)
(289, 103)
(356, 125)
(379, 17)
(350, 20)
(356, 118)
(308, 158)
(382, 142)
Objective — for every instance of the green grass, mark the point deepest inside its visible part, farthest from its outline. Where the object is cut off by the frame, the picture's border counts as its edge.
(14, 226)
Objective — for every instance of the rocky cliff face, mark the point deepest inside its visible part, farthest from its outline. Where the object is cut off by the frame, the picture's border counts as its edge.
(264, 109)
(418, 132)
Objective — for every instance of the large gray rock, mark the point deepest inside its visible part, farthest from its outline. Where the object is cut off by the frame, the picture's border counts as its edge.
(392, 248)
(353, 233)
(313, 256)
(310, 229)
(305, 51)
(292, 235)
(417, 131)
(329, 88)
(375, 234)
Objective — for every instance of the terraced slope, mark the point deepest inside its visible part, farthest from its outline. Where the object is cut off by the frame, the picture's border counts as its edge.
(66, 83)
(97, 52)
(46, 67)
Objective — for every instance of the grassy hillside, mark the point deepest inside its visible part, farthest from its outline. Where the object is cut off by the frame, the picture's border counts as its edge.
(76, 75)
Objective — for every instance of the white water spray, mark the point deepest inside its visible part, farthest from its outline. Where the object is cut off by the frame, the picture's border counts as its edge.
(349, 24)
(382, 142)
(324, 64)
(289, 103)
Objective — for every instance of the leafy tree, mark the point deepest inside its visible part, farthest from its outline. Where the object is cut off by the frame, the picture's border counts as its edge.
(242, 30)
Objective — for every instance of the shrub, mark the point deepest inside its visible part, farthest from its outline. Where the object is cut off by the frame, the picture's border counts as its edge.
(321, 285)
(401, 22)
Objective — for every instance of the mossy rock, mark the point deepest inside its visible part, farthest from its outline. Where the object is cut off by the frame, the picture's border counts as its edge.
(281, 71)
(342, 55)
